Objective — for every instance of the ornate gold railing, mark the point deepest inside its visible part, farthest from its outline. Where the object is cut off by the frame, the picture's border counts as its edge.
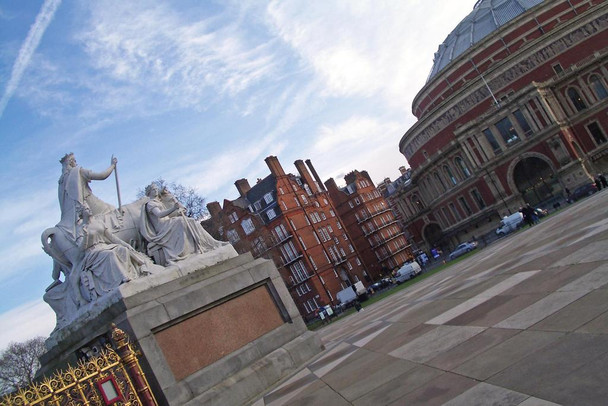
(112, 378)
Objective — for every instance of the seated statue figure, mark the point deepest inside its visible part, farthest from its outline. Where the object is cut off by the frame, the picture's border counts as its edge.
(172, 239)
(105, 263)
(108, 261)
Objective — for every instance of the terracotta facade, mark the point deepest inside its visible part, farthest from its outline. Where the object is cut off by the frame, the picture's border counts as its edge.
(290, 219)
(519, 117)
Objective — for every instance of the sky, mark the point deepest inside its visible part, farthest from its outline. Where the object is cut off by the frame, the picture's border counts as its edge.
(198, 93)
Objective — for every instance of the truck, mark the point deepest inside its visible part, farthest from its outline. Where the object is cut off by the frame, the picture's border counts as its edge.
(349, 294)
(510, 223)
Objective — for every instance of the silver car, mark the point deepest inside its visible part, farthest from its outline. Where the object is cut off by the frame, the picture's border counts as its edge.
(462, 249)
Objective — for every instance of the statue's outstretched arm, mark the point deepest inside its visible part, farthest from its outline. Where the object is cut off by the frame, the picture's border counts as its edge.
(101, 175)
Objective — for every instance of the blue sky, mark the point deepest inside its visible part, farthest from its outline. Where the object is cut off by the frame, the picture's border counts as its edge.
(198, 93)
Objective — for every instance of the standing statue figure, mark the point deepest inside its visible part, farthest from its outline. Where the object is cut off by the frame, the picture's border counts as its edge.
(74, 191)
(172, 239)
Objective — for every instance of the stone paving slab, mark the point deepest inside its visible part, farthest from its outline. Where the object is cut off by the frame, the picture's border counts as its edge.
(485, 394)
(521, 322)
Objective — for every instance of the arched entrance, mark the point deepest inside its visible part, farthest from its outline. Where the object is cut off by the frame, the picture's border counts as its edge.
(433, 234)
(536, 181)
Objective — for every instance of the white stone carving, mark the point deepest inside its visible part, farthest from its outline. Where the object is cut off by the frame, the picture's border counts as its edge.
(99, 249)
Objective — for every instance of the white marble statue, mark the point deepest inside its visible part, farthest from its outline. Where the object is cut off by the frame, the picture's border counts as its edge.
(107, 261)
(74, 190)
(172, 239)
(98, 248)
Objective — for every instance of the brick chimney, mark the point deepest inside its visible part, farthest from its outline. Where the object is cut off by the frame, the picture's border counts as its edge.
(303, 171)
(274, 165)
(214, 209)
(402, 170)
(242, 185)
(315, 174)
(331, 185)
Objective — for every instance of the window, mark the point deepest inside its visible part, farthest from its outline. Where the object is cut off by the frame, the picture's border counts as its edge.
(465, 205)
(281, 232)
(596, 132)
(271, 214)
(232, 236)
(455, 211)
(478, 199)
(523, 123)
(507, 131)
(299, 271)
(598, 87)
(576, 99)
(492, 141)
(449, 174)
(281, 191)
(248, 226)
(439, 181)
(557, 68)
(257, 206)
(233, 217)
(268, 198)
(463, 167)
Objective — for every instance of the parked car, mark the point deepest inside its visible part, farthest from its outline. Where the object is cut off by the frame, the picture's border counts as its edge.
(583, 191)
(462, 249)
(383, 283)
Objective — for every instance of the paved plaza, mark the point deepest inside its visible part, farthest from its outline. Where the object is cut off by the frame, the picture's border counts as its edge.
(523, 321)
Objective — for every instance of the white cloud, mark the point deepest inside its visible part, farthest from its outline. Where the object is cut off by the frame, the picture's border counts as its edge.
(43, 19)
(361, 143)
(367, 47)
(27, 321)
(153, 48)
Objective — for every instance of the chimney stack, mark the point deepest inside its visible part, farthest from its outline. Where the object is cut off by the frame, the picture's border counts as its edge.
(299, 164)
(274, 165)
(402, 170)
(315, 174)
(214, 209)
(242, 185)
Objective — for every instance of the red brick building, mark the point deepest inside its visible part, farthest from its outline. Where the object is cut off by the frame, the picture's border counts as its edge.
(370, 222)
(290, 219)
(513, 112)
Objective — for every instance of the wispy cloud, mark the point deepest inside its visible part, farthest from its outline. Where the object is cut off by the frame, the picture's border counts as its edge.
(43, 19)
(151, 47)
(29, 320)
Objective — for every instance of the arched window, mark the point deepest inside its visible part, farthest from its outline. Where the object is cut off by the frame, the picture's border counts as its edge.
(450, 175)
(439, 181)
(463, 167)
(417, 202)
(576, 99)
(598, 87)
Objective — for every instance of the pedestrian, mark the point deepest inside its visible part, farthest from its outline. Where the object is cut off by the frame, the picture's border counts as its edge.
(598, 182)
(603, 180)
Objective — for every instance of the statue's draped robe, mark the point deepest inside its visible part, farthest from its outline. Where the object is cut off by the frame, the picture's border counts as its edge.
(178, 237)
(73, 191)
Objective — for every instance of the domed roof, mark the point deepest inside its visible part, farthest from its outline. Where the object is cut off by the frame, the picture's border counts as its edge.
(487, 16)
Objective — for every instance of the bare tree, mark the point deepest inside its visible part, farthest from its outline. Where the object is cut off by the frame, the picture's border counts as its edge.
(186, 195)
(18, 364)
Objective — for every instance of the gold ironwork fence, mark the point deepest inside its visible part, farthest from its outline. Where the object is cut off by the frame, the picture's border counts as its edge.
(112, 378)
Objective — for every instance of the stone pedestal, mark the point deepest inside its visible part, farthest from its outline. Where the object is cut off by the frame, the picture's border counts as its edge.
(220, 335)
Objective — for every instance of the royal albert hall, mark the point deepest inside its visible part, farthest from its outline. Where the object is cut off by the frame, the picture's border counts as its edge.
(515, 111)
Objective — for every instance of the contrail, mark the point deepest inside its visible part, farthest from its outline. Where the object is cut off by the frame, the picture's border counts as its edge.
(43, 19)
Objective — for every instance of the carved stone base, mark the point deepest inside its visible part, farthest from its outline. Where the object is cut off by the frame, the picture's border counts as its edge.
(222, 334)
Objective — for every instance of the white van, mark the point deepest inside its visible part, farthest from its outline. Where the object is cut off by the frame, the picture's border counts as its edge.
(510, 223)
(407, 272)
